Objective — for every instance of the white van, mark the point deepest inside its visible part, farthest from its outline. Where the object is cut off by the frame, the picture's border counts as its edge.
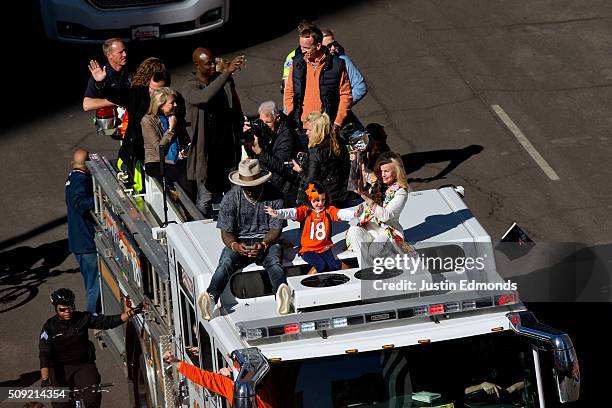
(94, 21)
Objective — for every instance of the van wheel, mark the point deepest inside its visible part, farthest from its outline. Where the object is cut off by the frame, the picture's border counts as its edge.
(141, 385)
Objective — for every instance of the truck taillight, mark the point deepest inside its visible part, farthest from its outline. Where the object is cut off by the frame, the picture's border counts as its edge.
(436, 309)
(105, 113)
(292, 328)
(507, 299)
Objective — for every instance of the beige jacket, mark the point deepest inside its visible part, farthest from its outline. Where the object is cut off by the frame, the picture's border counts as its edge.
(153, 135)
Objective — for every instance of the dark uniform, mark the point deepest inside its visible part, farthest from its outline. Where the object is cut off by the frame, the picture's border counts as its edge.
(114, 83)
(65, 348)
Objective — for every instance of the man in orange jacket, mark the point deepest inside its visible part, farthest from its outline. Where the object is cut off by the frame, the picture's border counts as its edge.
(221, 384)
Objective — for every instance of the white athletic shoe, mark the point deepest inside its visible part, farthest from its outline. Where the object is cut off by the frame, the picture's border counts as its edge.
(283, 299)
(206, 303)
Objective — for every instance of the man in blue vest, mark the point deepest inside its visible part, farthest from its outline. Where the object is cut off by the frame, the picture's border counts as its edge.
(358, 84)
(81, 226)
(317, 82)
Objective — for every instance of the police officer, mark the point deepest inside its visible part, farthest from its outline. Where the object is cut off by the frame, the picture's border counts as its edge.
(65, 347)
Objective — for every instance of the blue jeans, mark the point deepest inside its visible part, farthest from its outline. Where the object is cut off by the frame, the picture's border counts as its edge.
(324, 261)
(230, 262)
(88, 264)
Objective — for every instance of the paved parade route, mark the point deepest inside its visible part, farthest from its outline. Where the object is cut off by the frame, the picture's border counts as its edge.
(508, 99)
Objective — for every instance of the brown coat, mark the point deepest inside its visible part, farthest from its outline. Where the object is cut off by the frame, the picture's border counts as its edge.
(153, 135)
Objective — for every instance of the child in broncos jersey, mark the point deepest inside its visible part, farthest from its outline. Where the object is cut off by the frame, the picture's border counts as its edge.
(316, 222)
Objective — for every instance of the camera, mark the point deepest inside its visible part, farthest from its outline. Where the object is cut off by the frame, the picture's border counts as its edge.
(300, 159)
(259, 129)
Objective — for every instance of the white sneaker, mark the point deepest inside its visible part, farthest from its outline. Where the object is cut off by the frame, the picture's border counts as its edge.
(283, 299)
(206, 303)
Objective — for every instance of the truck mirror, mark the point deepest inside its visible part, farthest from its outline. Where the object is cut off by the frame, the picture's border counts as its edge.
(566, 370)
(567, 374)
(253, 367)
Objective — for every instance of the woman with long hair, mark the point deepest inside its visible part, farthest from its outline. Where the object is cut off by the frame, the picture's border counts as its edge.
(328, 162)
(159, 127)
(380, 212)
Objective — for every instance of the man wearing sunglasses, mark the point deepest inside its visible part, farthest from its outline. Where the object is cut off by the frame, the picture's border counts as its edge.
(359, 88)
(65, 347)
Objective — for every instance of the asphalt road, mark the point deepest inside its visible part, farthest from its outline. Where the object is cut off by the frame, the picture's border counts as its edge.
(440, 73)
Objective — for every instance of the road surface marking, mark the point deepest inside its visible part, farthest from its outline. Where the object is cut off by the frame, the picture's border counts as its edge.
(522, 139)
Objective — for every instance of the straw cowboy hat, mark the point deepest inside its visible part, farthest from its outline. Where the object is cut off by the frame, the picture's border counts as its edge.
(249, 174)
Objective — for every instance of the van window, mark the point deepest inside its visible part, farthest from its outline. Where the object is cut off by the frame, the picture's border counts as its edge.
(188, 321)
(206, 356)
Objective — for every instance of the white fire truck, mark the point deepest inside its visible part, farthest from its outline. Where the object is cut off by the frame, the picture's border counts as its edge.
(354, 338)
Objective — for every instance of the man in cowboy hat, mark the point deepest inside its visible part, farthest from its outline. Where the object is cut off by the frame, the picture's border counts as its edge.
(249, 235)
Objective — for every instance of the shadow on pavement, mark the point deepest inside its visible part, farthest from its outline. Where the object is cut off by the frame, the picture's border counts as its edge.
(416, 161)
(24, 269)
(33, 232)
(24, 380)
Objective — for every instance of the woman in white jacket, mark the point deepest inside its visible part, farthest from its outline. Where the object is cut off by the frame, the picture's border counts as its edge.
(379, 216)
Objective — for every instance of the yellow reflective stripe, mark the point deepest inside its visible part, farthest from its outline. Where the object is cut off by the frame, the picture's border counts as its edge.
(287, 64)
(138, 185)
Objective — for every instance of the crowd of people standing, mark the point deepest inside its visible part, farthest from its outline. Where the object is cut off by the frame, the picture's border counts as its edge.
(199, 134)
(205, 134)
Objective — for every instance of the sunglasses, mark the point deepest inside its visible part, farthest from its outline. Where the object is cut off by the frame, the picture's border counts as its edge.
(65, 309)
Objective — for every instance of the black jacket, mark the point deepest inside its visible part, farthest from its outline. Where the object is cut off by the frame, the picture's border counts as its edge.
(329, 86)
(328, 169)
(281, 149)
(136, 100)
(67, 341)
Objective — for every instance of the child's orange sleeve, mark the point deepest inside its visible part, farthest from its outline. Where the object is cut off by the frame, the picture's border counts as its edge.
(301, 213)
(333, 213)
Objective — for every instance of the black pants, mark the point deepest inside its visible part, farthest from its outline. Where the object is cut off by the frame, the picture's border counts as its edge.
(78, 376)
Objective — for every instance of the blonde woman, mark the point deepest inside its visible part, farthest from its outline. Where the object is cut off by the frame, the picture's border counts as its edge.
(328, 163)
(150, 75)
(158, 128)
(379, 216)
